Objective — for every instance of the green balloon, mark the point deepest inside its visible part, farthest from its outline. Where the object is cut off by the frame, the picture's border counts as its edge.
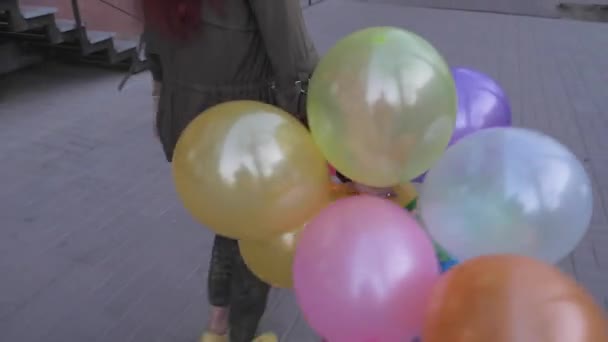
(382, 106)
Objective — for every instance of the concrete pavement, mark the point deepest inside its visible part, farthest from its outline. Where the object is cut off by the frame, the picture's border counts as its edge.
(534, 8)
(94, 245)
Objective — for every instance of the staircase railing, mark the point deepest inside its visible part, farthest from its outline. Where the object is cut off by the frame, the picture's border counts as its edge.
(119, 9)
(82, 34)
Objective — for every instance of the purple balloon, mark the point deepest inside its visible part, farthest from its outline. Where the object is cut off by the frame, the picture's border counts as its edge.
(481, 104)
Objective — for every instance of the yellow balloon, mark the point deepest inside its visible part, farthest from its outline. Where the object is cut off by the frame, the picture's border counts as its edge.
(271, 260)
(406, 195)
(382, 106)
(249, 170)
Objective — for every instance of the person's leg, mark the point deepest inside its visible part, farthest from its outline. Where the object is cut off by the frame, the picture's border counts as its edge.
(249, 296)
(221, 270)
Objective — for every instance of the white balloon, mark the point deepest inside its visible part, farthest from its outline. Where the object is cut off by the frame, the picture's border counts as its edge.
(507, 190)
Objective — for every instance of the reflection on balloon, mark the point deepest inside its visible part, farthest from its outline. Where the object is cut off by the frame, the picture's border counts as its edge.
(507, 190)
(363, 271)
(505, 298)
(249, 170)
(382, 106)
(271, 260)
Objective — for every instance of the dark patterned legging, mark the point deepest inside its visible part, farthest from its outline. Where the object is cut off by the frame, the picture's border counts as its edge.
(231, 284)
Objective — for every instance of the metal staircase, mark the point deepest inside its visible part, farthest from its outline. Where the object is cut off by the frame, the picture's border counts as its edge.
(30, 34)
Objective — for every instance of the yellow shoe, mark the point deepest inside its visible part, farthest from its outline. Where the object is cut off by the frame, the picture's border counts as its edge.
(268, 337)
(210, 337)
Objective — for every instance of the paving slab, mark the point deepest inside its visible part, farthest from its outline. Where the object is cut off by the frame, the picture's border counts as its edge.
(536, 8)
(94, 245)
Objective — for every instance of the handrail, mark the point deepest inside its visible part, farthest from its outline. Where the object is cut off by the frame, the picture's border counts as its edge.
(82, 34)
(121, 10)
(76, 12)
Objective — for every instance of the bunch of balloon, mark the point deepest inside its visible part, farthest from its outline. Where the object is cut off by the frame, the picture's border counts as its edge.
(382, 109)
(252, 172)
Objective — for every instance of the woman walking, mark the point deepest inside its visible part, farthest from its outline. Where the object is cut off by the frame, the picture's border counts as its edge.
(205, 52)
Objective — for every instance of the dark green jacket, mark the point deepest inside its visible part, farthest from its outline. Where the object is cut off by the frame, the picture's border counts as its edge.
(252, 49)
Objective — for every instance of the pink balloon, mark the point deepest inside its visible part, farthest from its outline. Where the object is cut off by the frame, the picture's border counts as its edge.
(363, 272)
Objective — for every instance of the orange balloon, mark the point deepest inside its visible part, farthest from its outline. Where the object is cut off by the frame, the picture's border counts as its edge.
(504, 298)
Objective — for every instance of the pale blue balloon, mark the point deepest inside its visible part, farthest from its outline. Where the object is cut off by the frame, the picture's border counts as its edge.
(507, 190)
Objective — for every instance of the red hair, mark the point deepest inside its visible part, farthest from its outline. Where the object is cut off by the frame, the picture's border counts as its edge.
(175, 18)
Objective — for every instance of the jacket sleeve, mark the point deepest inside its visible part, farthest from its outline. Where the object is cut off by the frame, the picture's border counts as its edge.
(289, 47)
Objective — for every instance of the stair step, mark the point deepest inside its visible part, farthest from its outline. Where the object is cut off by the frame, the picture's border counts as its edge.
(67, 31)
(42, 33)
(99, 36)
(124, 45)
(65, 26)
(33, 12)
(32, 18)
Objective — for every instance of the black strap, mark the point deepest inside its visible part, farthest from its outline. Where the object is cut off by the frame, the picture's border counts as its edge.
(302, 88)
